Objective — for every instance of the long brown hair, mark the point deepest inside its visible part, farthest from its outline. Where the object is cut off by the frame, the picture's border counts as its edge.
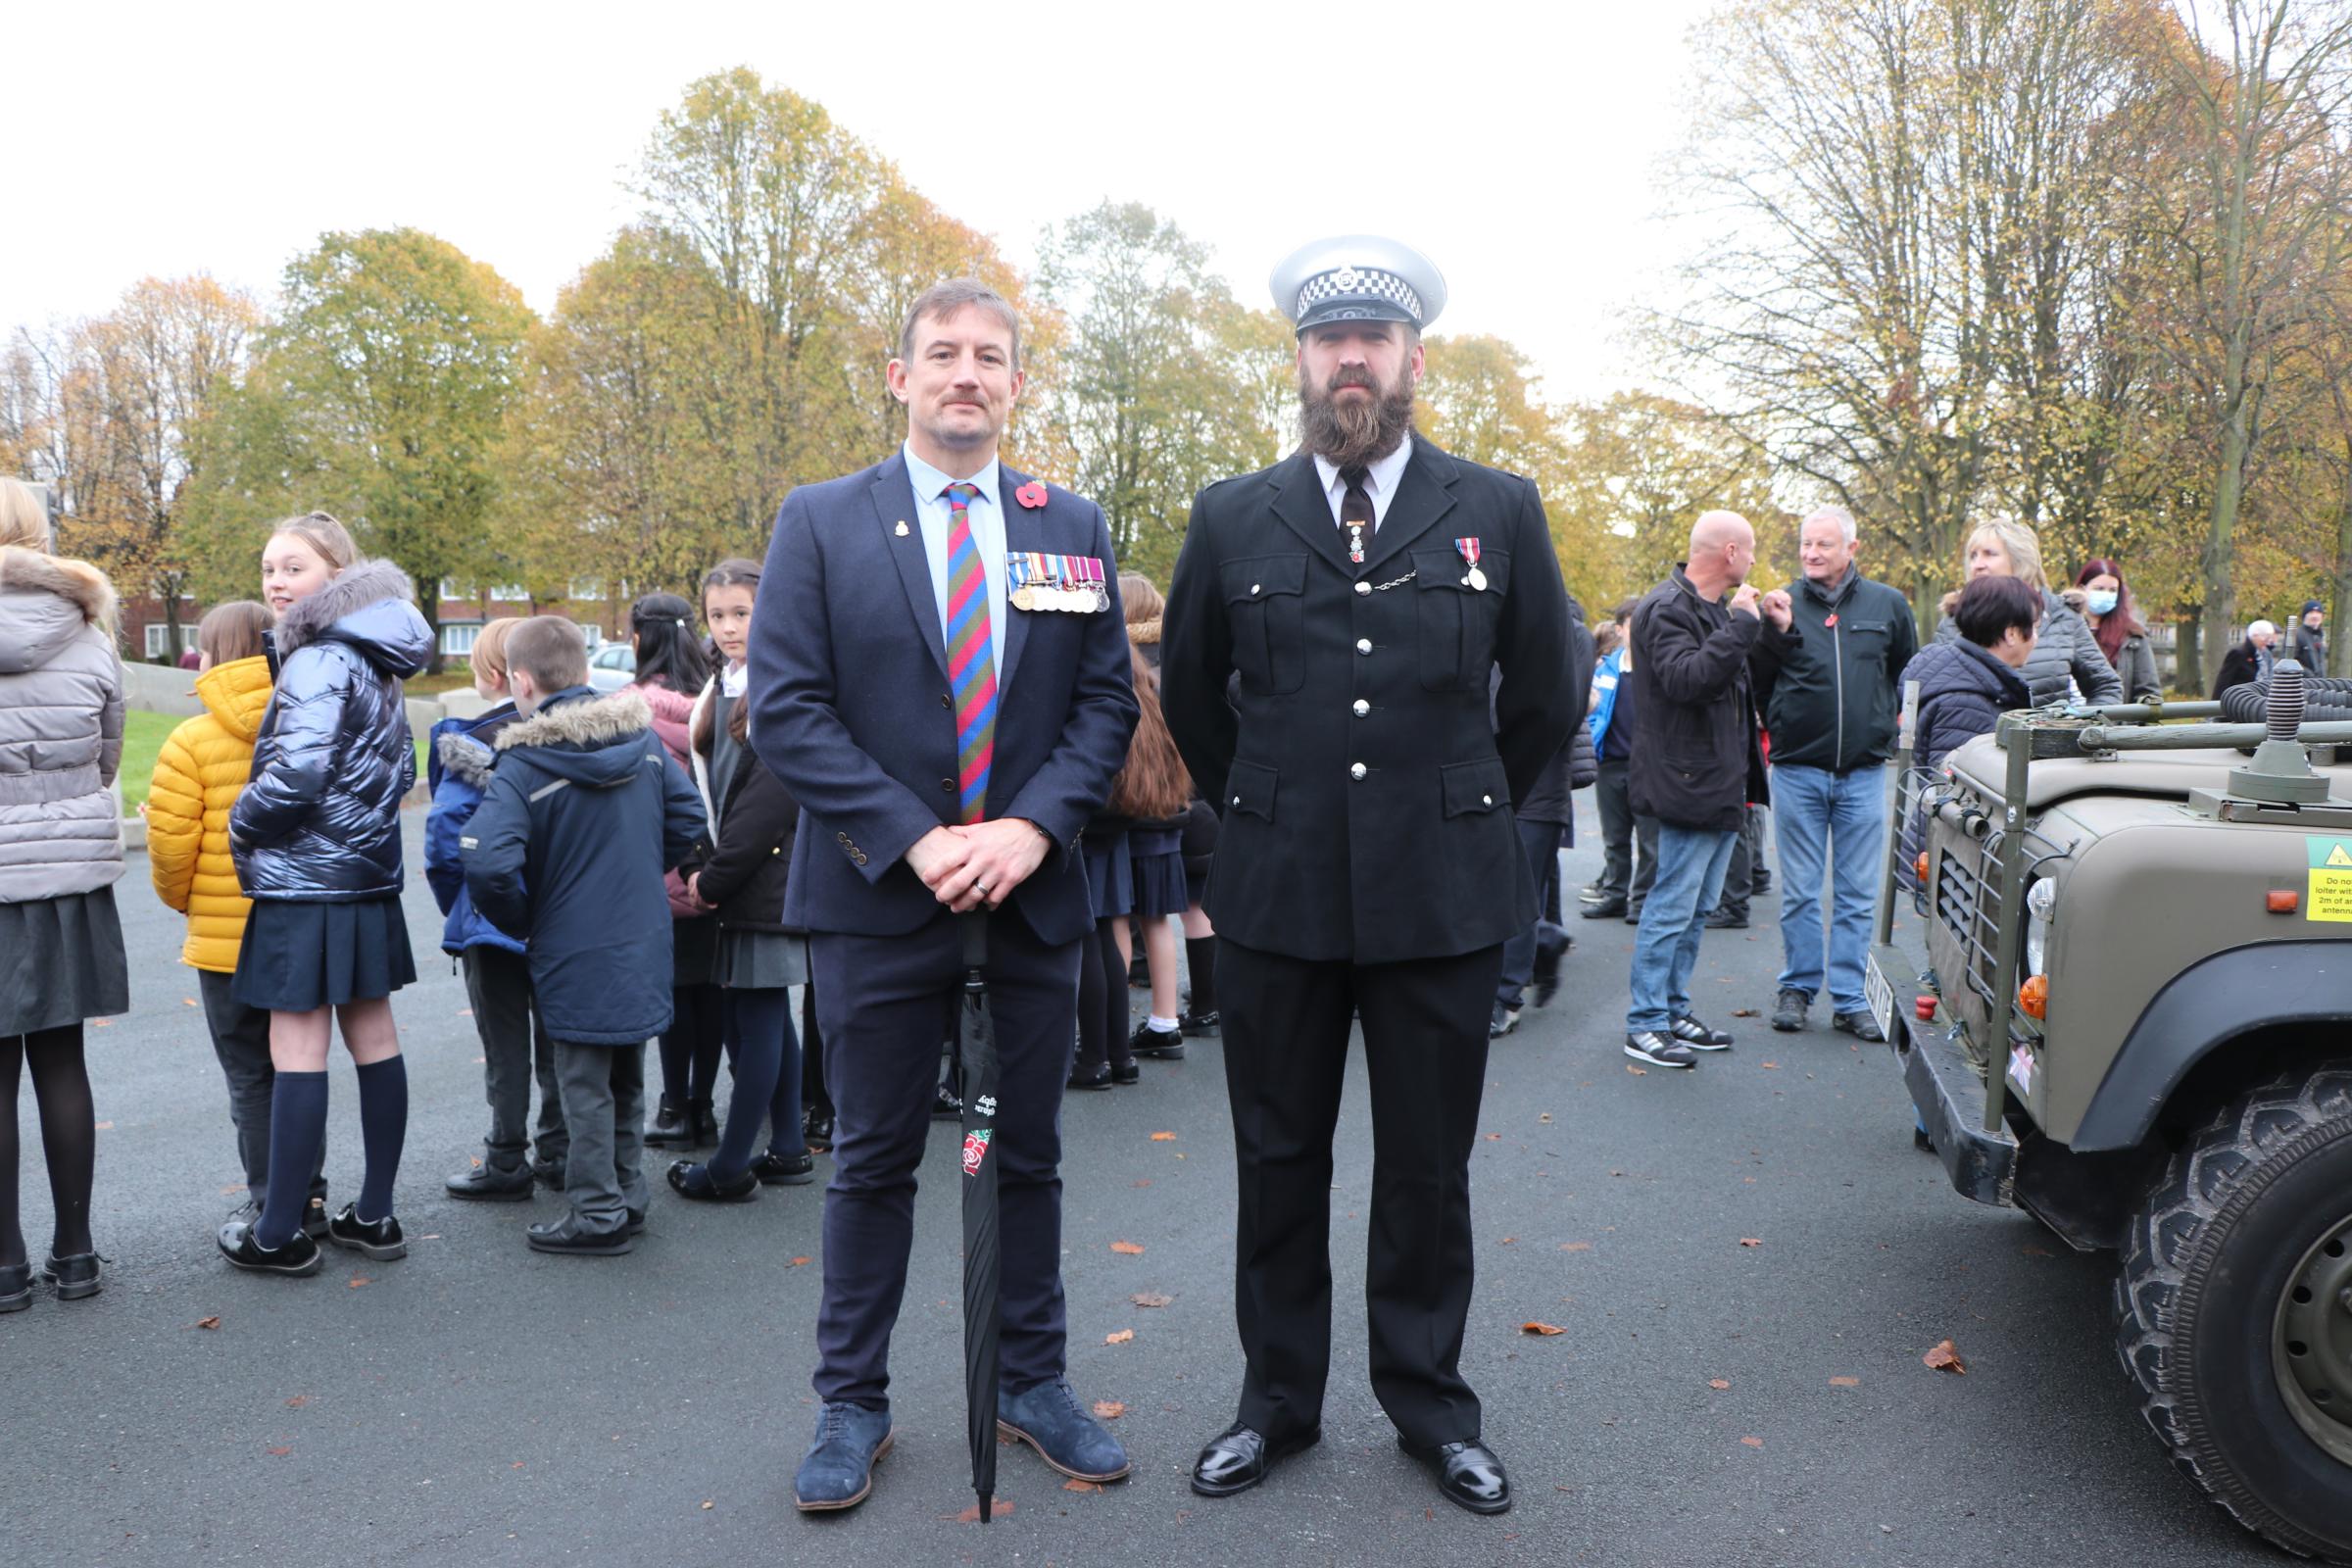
(1153, 784)
(2122, 622)
(233, 631)
(732, 572)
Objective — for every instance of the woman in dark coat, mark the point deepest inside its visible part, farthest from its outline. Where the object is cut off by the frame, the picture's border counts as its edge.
(752, 822)
(61, 853)
(2114, 621)
(315, 838)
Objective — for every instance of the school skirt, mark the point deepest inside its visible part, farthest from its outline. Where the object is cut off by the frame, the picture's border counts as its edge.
(300, 956)
(1109, 878)
(61, 962)
(1157, 855)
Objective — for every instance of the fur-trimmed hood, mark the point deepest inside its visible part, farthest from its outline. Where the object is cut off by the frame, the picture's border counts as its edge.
(370, 604)
(466, 759)
(598, 742)
(45, 603)
(1143, 633)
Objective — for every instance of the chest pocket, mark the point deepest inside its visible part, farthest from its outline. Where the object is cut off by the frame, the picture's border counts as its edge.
(1265, 609)
(1456, 621)
(1867, 641)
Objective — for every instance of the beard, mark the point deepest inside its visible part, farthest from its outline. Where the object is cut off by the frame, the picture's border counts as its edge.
(1360, 430)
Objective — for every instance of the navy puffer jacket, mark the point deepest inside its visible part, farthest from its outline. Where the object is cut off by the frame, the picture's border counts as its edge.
(320, 821)
(1963, 692)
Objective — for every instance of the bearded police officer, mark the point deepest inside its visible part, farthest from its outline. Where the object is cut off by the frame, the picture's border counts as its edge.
(1331, 631)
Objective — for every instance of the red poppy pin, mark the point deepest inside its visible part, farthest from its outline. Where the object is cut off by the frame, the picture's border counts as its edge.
(1031, 495)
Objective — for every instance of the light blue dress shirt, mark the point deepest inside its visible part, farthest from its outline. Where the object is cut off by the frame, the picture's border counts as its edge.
(986, 514)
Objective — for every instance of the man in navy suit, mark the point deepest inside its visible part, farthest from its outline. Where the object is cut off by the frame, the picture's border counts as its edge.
(948, 734)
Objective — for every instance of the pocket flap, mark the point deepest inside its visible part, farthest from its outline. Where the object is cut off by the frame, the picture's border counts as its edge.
(1249, 790)
(1478, 786)
(1445, 568)
(1261, 577)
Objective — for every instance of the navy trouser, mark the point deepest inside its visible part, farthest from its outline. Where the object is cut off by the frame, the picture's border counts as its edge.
(1542, 842)
(883, 1005)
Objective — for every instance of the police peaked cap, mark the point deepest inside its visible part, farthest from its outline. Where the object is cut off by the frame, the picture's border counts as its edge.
(1358, 277)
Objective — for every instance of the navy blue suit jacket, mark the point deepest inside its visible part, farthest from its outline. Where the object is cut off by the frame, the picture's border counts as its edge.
(851, 706)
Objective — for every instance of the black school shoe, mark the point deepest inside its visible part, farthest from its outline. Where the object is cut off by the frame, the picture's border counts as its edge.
(1096, 1077)
(314, 1217)
(695, 1183)
(784, 1170)
(1165, 1044)
(16, 1287)
(1198, 1025)
(816, 1129)
(299, 1256)
(76, 1275)
(1126, 1072)
(377, 1240)
(566, 1235)
(486, 1183)
(670, 1125)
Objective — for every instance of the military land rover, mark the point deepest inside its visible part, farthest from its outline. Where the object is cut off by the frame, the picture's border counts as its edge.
(2135, 1022)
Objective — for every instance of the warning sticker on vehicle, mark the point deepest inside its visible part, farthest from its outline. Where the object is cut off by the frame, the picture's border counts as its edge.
(2330, 892)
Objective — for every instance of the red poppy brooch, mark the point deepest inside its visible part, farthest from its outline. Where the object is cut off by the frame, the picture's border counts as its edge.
(1031, 495)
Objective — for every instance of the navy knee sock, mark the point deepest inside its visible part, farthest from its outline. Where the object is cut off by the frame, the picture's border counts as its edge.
(756, 1025)
(297, 1132)
(383, 1128)
(786, 1137)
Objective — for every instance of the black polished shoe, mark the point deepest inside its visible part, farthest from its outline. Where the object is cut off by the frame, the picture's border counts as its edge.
(1697, 1036)
(695, 1182)
(1241, 1456)
(566, 1235)
(636, 1222)
(1605, 910)
(1096, 1077)
(816, 1129)
(377, 1240)
(1198, 1025)
(76, 1275)
(314, 1217)
(704, 1125)
(784, 1170)
(1726, 921)
(549, 1173)
(1503, 1021)
(16, 1287)
(944, 1106)
(669, 1125)
(1552, 943)
(1468, 1473)
(486, 1183)
(300, 1255)
(1165, 1044)
(1124, 1073)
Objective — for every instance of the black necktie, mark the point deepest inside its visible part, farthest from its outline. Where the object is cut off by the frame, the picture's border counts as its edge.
(1355, 509)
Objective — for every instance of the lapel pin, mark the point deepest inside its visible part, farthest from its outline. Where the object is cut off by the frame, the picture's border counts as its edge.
(902, 529)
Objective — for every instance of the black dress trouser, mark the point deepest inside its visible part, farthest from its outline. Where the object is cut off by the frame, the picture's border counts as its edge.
(1286, 1031)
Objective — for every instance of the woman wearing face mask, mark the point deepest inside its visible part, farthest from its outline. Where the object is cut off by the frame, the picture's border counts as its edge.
(2114, 623)
(2067, 664)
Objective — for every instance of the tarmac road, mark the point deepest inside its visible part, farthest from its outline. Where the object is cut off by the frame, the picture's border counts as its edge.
(479, 1403)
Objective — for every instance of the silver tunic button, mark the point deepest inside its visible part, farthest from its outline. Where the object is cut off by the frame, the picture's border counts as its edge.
(1236, 800)
(1363, 645)
(1363, 707)
(1363, 587)
(1255, 587)
(1357, 771)
(1487, 799)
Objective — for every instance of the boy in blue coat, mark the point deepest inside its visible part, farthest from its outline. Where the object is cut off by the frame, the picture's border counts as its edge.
(498, 979)
(584, 813)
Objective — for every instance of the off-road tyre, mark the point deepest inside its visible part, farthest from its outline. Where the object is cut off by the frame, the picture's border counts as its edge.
(2203, 1270)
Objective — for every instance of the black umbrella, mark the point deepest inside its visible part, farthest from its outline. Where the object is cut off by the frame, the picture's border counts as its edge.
(976, 1034)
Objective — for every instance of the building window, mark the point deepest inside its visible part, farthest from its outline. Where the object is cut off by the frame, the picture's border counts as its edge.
(585, 590)
(510, 593)
(158, 638)
(457, 642)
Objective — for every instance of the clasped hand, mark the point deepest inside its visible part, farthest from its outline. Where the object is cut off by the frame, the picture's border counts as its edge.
(979, 866)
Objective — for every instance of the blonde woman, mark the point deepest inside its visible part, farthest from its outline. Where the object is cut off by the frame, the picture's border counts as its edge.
(61, 853)
(2066, 654)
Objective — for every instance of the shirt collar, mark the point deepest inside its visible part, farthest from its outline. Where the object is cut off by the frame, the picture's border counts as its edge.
(1384, 472)
(929, 481)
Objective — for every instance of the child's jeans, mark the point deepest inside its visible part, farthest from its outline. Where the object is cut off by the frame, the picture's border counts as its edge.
(604, 1107)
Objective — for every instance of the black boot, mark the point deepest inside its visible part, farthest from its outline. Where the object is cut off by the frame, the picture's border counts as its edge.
(669, 1125)
(705, 1123)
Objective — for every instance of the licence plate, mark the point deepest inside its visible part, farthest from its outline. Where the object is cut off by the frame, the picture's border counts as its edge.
(1880, 996)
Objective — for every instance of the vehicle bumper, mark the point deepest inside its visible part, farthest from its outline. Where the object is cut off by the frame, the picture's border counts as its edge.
(1943, 1084)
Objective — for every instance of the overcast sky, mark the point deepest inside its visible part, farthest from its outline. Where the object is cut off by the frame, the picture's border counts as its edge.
(1522, 152)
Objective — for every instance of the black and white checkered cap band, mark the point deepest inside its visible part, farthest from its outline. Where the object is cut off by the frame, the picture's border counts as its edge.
(1353, 283)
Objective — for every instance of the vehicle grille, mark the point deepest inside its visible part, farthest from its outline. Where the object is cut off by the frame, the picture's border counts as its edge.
(1968, 903)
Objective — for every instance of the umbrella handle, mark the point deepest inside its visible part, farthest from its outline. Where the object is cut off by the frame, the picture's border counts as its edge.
(975, 939)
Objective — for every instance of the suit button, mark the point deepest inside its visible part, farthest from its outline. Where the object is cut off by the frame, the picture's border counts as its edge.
(1363, 645)
(1357, 771)
(947, 700)
(1486, 800)
(948, 784)
(1363, 707)
(1363, 587)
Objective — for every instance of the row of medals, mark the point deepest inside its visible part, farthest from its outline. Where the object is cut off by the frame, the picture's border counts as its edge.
(1086, 596)
(1474, 579)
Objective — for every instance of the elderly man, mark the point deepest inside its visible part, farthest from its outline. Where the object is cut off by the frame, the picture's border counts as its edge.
(1826, 683)
(2250, 661)
(1698, 769)
(1353, 599)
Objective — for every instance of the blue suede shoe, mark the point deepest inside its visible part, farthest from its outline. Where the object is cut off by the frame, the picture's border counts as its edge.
(838, 1470)
(1050, 1419)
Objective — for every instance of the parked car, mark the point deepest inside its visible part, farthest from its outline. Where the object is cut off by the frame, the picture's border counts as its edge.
(613, 666)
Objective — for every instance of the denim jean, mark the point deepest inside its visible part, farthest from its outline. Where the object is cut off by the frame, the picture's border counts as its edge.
(1692, 862)
(1542, 842)
(1836, 821)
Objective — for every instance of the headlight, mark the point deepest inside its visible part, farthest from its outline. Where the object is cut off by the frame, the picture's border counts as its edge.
(2041, 904)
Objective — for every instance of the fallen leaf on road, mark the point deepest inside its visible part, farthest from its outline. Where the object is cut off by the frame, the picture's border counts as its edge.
(2040, 1252)
(208, 1322)
(1754, 1442)
(232, 1191)
(517, 1465)
(1544, 1328)
(1076, 1484)
(1144, 1182)
(280, 1453)
(1151, 1299)
(476, 1159)
(1845, 1382)
(1719, 1382)
(1118, 1337)
(430, 1235)
(1638, 1072)
(1493, 1138)
(298, 1402)
(465, 1012)
(102, 1023)
(1129, 1248)
(1509, 1239)
(1546, 1116)
(1774, 1065)
(1751, 1241)
(358, 1280)
(106, 1126)
(1109, 1409)
(1944, 1359)
(971, 1515)
(710, 1503)
(1576, 1247)
(1161, 1138)
(799, 1262)
(187, 1002)
(1744, 1013)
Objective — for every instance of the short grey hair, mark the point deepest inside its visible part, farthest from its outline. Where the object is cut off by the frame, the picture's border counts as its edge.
(1847, 528)
(943, 299)
(2261, 629)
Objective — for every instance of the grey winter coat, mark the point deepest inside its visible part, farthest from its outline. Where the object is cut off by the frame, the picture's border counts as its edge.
(2135, 668)
(2063, 646)
(320, 821)
(61, 729)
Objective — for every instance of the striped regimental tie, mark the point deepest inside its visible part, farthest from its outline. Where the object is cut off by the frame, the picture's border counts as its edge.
(971, 659)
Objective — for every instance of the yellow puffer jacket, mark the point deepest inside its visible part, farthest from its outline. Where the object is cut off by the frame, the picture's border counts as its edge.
(198, 777)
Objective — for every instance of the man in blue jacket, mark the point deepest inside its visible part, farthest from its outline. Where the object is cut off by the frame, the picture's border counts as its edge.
(939, 673)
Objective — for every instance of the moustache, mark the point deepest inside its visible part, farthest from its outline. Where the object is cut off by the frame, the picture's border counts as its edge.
(1340, 378)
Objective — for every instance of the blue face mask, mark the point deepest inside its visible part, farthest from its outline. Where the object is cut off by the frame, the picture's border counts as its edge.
(2101, 602)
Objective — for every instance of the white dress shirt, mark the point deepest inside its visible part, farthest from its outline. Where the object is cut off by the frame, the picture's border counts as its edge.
(1386, 474)
(986, 516)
